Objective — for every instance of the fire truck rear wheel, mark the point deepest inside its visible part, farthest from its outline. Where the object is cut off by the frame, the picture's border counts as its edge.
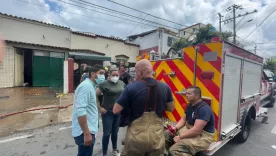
(244, 134)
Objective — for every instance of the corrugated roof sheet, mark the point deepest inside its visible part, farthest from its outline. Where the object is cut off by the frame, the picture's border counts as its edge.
(106, 37)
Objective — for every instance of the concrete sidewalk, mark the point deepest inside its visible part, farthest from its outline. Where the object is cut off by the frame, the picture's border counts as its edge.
(24, 98)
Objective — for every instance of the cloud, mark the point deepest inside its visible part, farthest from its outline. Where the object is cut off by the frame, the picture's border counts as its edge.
(84, 17)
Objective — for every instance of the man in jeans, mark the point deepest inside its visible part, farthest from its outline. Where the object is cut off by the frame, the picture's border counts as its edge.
(85, 115)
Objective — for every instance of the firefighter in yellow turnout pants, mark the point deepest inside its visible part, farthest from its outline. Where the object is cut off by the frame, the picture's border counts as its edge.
(195, 130)
(147, 100)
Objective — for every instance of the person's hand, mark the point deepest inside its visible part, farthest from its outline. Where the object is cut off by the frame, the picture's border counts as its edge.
(102, 110)
(176, 139)
(87, 139)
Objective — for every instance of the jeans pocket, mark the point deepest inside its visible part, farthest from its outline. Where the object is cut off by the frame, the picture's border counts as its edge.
(79, 140)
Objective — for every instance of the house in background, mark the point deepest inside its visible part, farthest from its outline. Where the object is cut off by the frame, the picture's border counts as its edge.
(158, 40)
(36, 52)
(115, 48)
(190, 31)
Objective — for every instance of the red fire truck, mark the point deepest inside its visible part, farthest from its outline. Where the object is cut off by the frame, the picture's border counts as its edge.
(230, 79)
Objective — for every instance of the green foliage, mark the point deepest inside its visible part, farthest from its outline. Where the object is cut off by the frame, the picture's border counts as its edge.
(270, 64)
(204, 35)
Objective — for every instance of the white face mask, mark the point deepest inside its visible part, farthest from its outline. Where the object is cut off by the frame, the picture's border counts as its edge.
(114, 79)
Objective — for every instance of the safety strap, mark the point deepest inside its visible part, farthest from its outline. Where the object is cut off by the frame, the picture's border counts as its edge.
(151, 96)
(196, 111)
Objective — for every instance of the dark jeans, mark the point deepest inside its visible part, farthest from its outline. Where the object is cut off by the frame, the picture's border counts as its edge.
(110, 127)
(84, 150)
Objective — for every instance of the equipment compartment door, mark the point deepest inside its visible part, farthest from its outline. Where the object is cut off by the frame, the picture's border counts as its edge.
(231, 93)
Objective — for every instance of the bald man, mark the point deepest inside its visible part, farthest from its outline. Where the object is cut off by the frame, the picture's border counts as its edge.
(146, 99)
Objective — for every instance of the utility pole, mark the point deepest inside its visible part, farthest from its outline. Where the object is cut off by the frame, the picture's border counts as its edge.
(220, 18)
(234, 8)
(255, 49)
(234, 22)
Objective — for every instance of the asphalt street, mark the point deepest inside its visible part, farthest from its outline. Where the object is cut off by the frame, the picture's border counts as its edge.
(57, 141)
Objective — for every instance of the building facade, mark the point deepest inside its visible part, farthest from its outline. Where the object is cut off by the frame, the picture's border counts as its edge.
(158, 40)
(190, 31)
(36, 52)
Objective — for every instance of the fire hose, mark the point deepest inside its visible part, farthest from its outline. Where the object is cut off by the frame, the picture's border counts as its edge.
(30, 110)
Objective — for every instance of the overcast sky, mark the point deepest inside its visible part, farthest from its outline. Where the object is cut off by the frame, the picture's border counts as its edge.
(80, 16)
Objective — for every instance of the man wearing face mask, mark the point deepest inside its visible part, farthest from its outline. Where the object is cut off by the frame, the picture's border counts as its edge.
(111, 89)
(85, 116)
(147, 100)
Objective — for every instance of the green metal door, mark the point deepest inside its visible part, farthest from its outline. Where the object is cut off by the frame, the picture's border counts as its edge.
(41, 71)
(56, 75)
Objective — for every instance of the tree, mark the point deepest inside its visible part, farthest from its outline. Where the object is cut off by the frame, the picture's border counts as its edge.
(270, 64)
(204, 35)
(180, 44)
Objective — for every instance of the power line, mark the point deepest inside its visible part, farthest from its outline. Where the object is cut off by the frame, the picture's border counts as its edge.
(274, 9)
(44, 12)
(58, 15)
(93, 16)
(91, 4)
(145, 13)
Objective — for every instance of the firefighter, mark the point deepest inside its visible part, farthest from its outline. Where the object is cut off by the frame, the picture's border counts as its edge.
(195, 130)
(147, 100)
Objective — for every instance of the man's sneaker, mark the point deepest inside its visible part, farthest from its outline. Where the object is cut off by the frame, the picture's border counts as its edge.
(116, 153)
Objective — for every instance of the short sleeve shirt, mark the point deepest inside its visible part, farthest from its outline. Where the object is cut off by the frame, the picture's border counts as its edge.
(134, 97)
(111, 92)
(203, 113)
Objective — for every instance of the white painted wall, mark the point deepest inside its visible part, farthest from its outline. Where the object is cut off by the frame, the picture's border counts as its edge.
(165, 47)
(148, 41)
(32, 32)
(7, 68)
(65, 78)
(189, 31)
(110, 47)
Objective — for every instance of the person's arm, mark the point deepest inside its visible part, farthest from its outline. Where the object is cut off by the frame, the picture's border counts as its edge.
(80, 108)
(170, 102)
(122, 101)
(181, 122)
(203, 117)
(100, 108)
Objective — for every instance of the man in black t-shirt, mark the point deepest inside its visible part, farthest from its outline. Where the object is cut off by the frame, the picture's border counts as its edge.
(147, 99)
(195, 130)
(124, 76)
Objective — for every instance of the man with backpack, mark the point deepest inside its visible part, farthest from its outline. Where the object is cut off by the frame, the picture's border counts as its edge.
(194, 132)
(146, 100)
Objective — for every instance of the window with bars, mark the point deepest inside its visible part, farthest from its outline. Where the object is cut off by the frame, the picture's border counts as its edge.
(1, 65)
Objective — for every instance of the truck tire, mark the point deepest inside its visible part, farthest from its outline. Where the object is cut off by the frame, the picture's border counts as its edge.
(245, 131)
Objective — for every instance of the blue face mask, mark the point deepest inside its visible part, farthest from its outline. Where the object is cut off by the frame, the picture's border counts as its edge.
(100, 79)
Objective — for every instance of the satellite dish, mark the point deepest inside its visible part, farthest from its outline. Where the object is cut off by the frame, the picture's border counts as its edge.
(191, 38)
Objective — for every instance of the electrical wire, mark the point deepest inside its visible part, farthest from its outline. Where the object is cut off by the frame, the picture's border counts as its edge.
(145, 13)
(93, 16)
(274, 9)
(91, 4)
